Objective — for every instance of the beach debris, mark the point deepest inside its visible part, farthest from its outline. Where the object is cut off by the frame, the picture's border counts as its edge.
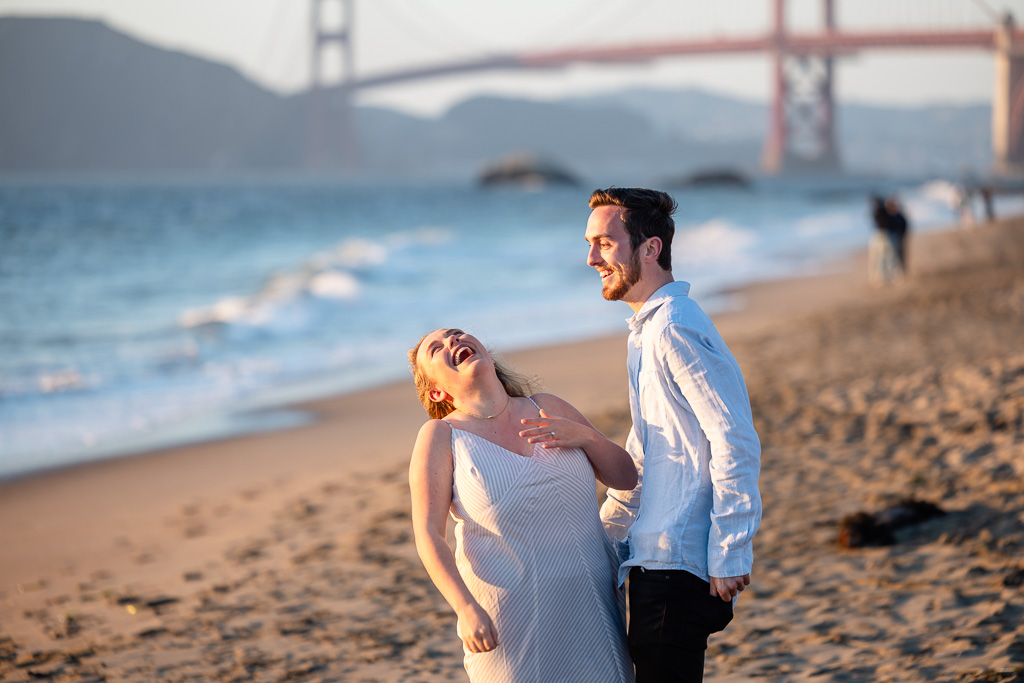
(151, 632)
(862, 529)
(133, 603)
(159, 604)
(1014, 579)
(76, 656)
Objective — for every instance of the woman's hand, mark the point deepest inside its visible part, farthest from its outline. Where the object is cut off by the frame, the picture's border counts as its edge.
(556, 432)
(612, 464)
(477, 630)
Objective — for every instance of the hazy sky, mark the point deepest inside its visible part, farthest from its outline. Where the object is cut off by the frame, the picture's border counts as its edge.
(268, 40)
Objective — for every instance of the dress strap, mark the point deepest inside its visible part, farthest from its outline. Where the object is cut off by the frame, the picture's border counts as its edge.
(534, 404)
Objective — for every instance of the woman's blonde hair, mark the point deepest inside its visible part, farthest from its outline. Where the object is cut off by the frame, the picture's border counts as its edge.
(515, 383)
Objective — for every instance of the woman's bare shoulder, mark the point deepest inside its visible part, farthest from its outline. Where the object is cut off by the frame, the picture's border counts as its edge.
(433, 430)
(433, 448)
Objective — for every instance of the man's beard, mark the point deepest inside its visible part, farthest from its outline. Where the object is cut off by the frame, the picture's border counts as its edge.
(624, 278)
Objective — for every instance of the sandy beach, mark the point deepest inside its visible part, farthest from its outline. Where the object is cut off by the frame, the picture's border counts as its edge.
(289, 556)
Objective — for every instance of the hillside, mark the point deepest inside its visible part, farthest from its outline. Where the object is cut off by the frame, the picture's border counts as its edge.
(81, 97)
(78, 95)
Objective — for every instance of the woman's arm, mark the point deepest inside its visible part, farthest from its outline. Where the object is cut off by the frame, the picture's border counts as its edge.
(562, 426)
(430, 482)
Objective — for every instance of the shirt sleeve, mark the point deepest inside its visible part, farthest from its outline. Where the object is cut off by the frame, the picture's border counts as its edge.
(620, 508)
(710, 381)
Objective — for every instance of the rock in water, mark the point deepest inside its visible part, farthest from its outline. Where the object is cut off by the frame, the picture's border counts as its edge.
(525, 171)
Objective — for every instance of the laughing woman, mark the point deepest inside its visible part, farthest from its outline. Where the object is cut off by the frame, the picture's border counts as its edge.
(532, 578)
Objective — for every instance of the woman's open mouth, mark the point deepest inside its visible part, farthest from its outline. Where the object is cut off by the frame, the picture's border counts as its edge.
(461, 354)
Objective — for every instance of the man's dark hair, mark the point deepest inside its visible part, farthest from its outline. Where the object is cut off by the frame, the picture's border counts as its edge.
(648, 213)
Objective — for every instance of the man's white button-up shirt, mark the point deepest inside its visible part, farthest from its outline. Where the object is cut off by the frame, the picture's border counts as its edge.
(696, 506)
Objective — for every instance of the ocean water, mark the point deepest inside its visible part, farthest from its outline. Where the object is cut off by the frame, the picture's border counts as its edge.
(139, 314)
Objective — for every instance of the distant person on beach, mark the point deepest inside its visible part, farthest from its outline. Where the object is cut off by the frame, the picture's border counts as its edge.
(883, 252)
(532, 578)
(898, 227)
(685, 532)
(964, 201)
(986, 202)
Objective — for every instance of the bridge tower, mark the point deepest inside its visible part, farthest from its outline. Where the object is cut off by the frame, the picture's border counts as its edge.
(331, 139)
(801, 129)
(1008, 101)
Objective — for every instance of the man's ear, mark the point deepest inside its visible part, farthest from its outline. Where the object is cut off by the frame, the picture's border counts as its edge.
(439, 395)
(652, 250)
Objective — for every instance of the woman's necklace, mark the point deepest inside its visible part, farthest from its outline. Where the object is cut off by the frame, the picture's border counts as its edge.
(508, 399)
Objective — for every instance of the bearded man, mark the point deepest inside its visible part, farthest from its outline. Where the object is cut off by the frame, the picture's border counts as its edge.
(685, 533)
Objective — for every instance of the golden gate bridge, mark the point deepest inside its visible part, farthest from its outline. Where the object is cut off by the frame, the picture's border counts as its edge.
(801, 132)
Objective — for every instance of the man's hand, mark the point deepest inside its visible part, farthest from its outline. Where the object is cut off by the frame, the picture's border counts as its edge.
(729, 587)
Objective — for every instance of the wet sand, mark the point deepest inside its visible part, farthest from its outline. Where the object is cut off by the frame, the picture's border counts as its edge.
(288, 556)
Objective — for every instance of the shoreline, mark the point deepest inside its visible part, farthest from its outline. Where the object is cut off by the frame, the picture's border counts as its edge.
(299, 407)
(283, 407)
(288, 553)
(599, 392)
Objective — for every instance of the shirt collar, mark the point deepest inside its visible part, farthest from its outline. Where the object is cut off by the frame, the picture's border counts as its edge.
(663, 294)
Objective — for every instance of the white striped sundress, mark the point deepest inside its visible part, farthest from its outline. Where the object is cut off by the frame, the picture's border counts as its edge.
(531, 549)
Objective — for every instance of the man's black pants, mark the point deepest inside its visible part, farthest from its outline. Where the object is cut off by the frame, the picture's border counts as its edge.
(671, 615)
